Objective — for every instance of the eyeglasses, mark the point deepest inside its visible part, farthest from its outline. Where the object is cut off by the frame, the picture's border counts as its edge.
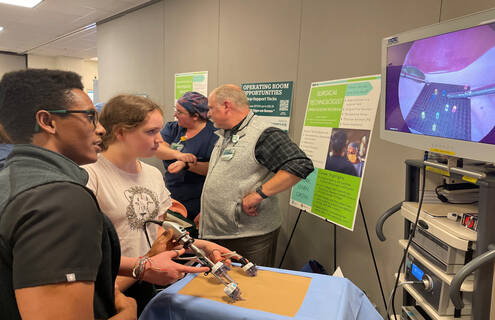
(178, 112)
(91, 114)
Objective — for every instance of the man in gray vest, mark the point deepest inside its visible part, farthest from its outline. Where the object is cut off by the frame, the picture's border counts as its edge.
(250, 164)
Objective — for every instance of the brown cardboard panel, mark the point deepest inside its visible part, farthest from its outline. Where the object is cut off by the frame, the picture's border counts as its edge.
(269, 291)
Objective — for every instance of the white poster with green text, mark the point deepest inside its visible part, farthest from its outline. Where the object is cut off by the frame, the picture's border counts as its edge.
(336, 135)
(191, 81)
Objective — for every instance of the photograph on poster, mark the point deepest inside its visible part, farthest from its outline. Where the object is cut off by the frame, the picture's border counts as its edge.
(347, 151)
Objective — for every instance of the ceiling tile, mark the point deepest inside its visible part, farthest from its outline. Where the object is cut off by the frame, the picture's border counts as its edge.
(29, 28)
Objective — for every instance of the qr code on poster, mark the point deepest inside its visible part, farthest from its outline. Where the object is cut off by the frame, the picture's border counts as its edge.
(284, 105)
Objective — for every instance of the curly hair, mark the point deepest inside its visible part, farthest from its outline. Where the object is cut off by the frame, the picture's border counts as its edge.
(23, 93)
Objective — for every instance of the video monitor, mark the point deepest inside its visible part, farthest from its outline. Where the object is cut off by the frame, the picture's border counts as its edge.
(438, 87)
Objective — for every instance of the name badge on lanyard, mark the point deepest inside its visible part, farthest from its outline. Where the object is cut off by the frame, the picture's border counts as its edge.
(227, 154)
(177, 146)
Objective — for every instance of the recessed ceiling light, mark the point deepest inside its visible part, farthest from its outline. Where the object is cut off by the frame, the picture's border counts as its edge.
(1, 28)
(22, 3)
(94, 59)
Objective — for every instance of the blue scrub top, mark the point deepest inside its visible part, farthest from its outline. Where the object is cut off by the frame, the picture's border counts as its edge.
(186, 185)
(4, 152)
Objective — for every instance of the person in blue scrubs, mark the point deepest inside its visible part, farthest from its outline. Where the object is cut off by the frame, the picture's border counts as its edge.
(186, 149)
(353, 157)
(5, 147)
(99, 106)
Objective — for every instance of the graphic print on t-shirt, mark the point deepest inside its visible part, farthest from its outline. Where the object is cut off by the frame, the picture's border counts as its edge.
(143, 205)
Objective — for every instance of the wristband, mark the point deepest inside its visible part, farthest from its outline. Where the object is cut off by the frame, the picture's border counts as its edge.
(140, 268)
(187, 166)
(260, 192)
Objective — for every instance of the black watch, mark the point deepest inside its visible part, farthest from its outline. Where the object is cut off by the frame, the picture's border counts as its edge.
(258, 191)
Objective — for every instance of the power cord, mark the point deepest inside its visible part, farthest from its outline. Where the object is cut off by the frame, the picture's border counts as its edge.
(411, 235)
(146, 230)
(398, 286)
(373, 256)
(444, 199)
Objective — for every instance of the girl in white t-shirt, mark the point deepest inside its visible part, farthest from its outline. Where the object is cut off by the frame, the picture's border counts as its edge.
(131, 192)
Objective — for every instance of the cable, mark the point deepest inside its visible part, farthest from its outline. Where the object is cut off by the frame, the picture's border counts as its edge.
(146, 230)
(334, 247)
(443, 198)
(373, 255)
(411, 235)
(400, 285)
(290, 238)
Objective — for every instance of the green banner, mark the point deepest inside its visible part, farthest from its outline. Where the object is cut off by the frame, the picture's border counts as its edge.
(183, 84)
(325, 106)
(335, 197)
(271, 100)
(191, 81)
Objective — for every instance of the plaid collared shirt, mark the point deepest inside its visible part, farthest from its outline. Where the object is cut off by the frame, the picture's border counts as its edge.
(276, 151)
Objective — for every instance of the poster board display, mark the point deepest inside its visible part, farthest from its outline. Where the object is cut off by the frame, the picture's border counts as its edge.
(190, 81)
(336, 135)
(272, 101)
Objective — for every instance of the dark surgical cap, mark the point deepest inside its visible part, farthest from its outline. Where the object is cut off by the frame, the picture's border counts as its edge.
(195, 103)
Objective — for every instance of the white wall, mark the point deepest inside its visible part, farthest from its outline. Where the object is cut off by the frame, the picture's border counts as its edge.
(11, 62)
(130, 54)
(304, 41)
(86, 68)
(131, 57)
(41, 62)
(194, 48)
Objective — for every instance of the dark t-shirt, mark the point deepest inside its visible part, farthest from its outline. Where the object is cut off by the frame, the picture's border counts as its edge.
(340, 164)
(186, 185)
(55, 233)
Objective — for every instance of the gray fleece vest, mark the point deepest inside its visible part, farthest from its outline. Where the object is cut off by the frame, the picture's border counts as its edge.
(228, 181)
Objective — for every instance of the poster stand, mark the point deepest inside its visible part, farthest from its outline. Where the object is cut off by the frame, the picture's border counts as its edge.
(292, 234)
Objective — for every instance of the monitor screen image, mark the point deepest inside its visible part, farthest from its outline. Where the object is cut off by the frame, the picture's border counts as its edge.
(439, 82)
(444, 85)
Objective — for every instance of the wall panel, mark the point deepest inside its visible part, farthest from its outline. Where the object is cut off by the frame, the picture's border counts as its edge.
(303, 41)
